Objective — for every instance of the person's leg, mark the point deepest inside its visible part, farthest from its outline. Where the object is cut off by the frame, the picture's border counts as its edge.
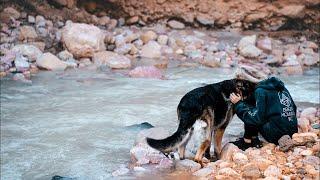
(250, 132)
(250, 138)
(277, 137)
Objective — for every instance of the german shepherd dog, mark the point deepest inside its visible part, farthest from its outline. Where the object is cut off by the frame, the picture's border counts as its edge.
(208, 103)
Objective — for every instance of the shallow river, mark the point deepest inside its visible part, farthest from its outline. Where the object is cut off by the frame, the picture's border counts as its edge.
(73, 123)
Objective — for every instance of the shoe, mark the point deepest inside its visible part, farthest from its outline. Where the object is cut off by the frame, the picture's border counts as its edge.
(241, 144)
(285, 143)
(255, 142)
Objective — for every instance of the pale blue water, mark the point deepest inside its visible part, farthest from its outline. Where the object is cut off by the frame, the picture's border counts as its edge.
(72, 124)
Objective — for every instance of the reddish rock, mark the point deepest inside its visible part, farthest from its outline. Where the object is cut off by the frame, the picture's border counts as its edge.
(146, 72)
(133, 20)
(228, 151)
(8, 13)
(240, 158)
(229, 172)
(251, 171)
(293, 11)
(27, 33)
(148, 36)
(272, 171)
(304, 138)
(262, 163)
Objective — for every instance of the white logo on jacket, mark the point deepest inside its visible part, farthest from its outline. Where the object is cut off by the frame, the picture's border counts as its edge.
(285, 100)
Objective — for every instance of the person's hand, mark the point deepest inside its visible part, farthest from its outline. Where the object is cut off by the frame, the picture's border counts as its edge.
(235, 98)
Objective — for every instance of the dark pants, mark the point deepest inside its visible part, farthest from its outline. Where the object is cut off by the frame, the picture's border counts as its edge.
(250, 131)
(270, 134)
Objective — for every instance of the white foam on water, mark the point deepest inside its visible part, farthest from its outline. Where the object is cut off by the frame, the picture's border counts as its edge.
(73, 124)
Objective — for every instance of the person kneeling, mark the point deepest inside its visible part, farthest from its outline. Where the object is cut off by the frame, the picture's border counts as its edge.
(274, 115)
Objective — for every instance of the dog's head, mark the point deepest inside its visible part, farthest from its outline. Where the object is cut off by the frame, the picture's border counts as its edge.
(244, 87)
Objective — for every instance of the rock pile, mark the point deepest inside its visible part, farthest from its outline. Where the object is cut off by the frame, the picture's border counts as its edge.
(268, 162)
(27, 40)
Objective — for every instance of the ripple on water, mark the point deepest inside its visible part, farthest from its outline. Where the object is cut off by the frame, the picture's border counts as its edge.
(71, 124)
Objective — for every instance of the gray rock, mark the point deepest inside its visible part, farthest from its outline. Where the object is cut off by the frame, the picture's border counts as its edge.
(187, 165)
(65, 55)
(205, 20)
(204, 172)
(21, 63)
(32, 52)
(151, 50)
(176, 24)
(50, 62)
(83, 40)
(111, 59)
(31, 19)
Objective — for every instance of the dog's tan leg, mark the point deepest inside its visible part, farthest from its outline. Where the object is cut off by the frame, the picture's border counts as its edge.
(181, 151)
(218, 134)
(207, 143)
(182, 146)
(211, 114)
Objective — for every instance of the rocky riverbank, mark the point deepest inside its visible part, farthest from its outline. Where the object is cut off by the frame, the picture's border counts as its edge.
(32, 43)
(266, 163)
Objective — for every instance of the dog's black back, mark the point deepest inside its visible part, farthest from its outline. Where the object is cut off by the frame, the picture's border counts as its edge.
(201, 103)
(212, 95)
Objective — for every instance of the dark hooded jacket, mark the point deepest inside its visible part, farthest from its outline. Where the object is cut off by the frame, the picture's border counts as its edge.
(274, 113)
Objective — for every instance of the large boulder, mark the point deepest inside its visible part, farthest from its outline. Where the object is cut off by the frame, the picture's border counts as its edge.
(50, 62)
(247, 47)
(111, 59)
(142, 153)
(151, 50)
(32, 52)
(83, 40)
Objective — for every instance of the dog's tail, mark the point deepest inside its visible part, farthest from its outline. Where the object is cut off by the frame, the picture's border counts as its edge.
(170, 143)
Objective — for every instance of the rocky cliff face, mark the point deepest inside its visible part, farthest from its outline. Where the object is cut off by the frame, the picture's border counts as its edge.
(241, 14)
(247, 14)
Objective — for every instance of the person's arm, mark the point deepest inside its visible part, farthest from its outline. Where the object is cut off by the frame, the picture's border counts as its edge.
(253, 115)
